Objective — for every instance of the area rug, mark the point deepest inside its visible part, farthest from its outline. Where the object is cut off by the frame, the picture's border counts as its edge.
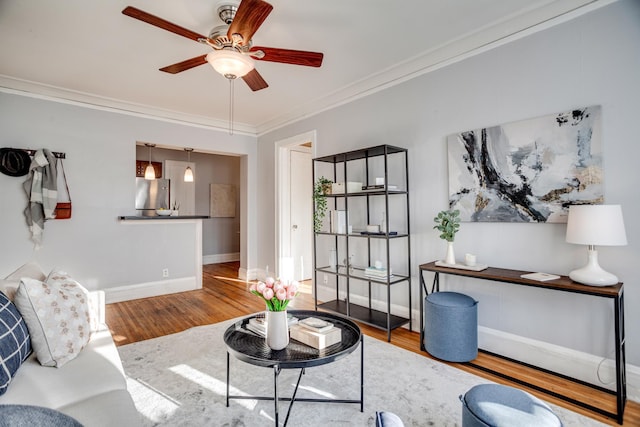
(180, 380)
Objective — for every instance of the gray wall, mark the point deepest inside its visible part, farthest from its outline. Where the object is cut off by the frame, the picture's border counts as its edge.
(220, 236)
(94, 246)
(592, 60)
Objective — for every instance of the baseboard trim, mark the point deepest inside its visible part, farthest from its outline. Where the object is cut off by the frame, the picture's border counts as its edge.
(249, 274)
(218, 258)
(150, 289)
(573, 363)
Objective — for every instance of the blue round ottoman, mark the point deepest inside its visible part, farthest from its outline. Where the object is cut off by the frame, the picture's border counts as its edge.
(497, 405)
(451, 326)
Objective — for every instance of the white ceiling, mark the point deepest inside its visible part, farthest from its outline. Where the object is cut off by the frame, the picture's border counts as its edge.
(88, 51)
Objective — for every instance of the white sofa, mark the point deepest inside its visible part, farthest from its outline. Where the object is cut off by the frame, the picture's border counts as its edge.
(91, 388)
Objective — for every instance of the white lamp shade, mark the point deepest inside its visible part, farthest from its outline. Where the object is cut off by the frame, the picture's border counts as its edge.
(188, 174)
(600, 225)
(230, 63)
(149, 172)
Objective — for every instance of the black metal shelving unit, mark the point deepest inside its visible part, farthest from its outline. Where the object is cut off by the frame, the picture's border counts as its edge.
(367, 163)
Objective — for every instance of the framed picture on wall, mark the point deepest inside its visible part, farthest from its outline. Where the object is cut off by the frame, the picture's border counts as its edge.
(527, 171)
(222, 201)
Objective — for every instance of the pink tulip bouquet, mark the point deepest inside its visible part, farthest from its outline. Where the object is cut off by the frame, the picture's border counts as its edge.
(275, 293)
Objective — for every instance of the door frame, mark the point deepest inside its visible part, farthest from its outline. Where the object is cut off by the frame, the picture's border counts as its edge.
(283, 199)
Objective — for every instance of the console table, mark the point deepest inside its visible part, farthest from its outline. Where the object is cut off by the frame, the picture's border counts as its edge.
(564, 284)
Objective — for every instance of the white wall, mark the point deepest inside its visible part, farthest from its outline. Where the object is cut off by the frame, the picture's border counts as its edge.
(94, 246)
(592, 60)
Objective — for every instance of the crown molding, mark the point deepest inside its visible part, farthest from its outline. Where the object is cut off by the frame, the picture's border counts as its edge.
(65, 96)
(509, 29)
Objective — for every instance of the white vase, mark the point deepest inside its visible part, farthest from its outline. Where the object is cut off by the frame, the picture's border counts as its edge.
(277, 330)
(451, 256)
(333, 259)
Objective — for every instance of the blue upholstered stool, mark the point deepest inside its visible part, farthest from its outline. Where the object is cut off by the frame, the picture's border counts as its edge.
(451, 326)
(501, 406)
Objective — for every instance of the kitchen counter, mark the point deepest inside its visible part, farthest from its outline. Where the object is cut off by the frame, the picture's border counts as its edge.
(163, 218)
(140, 226)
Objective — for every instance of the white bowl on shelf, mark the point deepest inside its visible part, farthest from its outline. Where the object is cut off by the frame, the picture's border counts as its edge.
(164, 212)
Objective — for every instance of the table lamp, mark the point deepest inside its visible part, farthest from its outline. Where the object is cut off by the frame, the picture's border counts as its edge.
(595, 225)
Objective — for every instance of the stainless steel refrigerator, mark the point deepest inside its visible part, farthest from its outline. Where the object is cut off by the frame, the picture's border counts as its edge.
(152, 194)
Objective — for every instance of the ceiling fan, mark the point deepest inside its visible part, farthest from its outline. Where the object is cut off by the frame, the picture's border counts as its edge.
(233, 50)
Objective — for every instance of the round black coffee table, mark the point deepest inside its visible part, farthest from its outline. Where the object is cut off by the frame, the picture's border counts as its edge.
(252, 348)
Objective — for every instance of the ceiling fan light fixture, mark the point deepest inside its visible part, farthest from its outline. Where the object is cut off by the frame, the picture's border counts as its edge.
(230, 63)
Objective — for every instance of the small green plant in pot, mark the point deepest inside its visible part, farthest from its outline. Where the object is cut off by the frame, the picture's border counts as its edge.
(321, 188)
(448, 224)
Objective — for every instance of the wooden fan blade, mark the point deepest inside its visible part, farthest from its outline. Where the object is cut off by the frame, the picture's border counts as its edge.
(288, 56)
(185, 65)
(254, 80)
(250, 15)
(161, 23)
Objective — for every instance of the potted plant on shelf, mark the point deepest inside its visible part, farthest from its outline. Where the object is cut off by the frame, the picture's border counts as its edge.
(321, 188)
(448, 224)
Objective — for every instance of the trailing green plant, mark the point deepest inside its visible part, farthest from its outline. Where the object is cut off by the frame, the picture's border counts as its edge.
(447, 223)
(320, 189)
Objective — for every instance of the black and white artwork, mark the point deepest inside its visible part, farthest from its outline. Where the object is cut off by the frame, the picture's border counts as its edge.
(527, 171)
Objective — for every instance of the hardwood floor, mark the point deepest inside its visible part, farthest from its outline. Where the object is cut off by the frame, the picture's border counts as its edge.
(223, 297)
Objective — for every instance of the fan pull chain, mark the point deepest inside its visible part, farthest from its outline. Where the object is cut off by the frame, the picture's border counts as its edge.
(231, 106)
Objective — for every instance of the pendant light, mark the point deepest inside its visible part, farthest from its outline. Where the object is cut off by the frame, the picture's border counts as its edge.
(149, 171)
(188, 172)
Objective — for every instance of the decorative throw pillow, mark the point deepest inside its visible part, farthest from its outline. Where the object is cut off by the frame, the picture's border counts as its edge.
(9, 285)
(15, 345)
(57, 314)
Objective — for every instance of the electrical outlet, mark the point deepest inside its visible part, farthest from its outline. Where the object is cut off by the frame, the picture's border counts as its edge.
(165, 272)
(326, 279)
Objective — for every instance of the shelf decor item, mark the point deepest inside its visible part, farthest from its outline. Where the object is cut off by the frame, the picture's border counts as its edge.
(321, 188)
(333, 259)
(276, 294)
(448, 224)
(595, 225)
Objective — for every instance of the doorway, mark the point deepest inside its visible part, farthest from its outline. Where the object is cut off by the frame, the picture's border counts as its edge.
(294, 234)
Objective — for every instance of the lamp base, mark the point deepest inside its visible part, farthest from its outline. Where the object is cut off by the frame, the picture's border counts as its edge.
(592, 274)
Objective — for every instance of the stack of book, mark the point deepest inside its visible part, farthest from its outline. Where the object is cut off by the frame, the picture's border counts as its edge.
(258, 324)
(316, 333)
(377, 273)
(378, 187)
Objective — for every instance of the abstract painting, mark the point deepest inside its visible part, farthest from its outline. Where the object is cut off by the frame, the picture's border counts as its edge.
(527, 171)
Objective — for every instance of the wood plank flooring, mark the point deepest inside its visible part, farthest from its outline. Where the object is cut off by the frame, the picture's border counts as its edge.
(224, 297)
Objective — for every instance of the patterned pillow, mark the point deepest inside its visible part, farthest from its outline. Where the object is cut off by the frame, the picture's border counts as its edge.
(15, 345)
(57, 314)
